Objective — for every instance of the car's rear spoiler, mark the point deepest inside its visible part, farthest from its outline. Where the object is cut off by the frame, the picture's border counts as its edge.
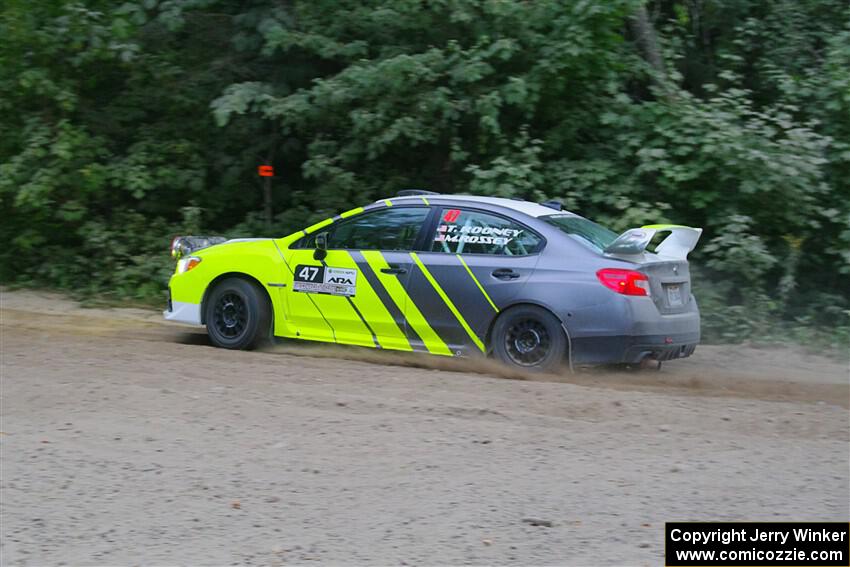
(677, 244)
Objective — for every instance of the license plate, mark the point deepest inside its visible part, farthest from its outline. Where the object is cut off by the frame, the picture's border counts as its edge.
(674, 295)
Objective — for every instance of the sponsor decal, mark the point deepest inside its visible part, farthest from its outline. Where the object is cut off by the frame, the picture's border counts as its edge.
(476, 234)
(325, 280)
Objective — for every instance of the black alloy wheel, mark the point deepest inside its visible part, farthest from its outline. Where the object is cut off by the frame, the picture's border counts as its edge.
(527, 342)
(237, 314)
(230, 315)
(529, 337)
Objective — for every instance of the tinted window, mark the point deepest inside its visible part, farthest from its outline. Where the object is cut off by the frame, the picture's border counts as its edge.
(393, 228)
(471, 232)
(587, 232)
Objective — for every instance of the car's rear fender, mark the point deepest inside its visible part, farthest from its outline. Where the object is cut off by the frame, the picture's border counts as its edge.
(568, 287)
(593, 315)
(489, 335)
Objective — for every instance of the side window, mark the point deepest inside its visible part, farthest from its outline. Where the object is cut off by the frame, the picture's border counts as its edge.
(393, 228)
(472, 232)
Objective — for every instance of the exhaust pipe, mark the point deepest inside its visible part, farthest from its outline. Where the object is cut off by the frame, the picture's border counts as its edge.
(649, 363)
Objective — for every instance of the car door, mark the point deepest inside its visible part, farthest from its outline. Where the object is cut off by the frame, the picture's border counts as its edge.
(471, 266)
(357, 289)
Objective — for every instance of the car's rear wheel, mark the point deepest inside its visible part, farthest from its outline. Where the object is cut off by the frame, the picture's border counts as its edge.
(529, 337)
(237, 314)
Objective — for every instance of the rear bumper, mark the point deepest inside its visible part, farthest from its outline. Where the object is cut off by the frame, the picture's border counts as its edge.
(660, 348)
(643, 333)
(633, 349)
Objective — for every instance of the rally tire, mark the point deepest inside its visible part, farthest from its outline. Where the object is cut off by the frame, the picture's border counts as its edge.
(529, 337)
(237, 315)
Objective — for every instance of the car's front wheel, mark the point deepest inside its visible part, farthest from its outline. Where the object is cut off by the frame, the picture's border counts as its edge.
(529, 337)
(237, 314)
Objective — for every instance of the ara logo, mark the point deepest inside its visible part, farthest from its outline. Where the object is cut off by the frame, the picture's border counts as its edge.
(342, 280)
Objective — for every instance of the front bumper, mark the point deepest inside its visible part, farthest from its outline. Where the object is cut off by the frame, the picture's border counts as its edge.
(181, 312)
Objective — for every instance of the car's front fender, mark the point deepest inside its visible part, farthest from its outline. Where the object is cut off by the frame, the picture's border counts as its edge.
(256, 260)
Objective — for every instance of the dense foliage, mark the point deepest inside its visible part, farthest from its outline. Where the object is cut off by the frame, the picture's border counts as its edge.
(126, 123)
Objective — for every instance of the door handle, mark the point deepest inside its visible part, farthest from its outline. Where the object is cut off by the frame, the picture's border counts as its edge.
(394, 270)
(505, 274)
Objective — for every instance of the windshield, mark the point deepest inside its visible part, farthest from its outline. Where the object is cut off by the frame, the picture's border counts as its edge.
(583, 230)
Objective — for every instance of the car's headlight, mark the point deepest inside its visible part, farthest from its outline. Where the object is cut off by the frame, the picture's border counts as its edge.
(187, 263)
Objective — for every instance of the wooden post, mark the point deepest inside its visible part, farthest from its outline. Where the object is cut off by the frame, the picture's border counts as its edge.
(267, 202)
(267, 172)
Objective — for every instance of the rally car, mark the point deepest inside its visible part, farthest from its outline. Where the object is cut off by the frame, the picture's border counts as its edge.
(528, 283)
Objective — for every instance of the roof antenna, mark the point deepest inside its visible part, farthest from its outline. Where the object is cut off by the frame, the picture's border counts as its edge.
(553, 204)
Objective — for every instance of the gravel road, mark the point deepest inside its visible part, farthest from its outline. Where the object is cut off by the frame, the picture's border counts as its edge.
(129, 442)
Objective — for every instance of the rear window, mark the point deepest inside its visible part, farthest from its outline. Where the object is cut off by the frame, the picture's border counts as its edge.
(583, 230)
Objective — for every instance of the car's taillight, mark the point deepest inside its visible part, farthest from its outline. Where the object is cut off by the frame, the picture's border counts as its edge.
(627, 282)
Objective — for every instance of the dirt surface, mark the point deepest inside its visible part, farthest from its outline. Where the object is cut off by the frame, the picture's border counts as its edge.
(126, 441)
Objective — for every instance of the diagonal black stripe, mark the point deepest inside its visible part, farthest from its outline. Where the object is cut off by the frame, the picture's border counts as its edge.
(365, 322)
(383, 295)
(464, 293)
(423, 294)
(359, 314)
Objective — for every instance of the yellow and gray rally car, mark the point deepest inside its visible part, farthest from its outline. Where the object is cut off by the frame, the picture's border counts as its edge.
(528, 283)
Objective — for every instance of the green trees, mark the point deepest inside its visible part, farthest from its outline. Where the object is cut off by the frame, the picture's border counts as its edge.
(125, 123)
(108, 141)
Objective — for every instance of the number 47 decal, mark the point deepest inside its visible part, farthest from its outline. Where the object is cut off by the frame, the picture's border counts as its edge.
(308, 273)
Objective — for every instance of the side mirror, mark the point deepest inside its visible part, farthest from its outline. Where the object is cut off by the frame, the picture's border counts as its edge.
(321, 246)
